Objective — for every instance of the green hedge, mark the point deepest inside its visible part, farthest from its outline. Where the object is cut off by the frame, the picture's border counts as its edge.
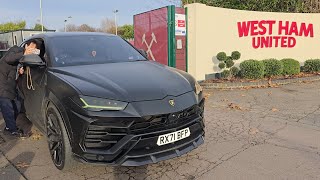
(234, 71)
(312, 65)
(229, 63)
(221, 56)
(290, 66)
(272, 67)
(236, 55)
(252, 69)
(222, 65)
(225, 74)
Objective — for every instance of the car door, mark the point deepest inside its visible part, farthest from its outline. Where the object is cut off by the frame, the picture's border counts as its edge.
(32, 85)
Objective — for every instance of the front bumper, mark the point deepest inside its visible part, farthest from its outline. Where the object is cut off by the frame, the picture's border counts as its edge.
(132, 141)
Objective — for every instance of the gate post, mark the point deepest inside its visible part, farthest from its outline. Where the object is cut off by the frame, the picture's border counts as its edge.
(171, 36)
(186, 13)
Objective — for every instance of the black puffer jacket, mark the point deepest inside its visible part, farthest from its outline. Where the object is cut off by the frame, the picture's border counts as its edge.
(8, 69)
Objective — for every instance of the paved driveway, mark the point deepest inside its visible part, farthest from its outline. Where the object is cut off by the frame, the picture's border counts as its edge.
(250, 134)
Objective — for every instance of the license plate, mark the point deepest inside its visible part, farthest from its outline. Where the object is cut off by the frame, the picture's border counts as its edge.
(173, 137)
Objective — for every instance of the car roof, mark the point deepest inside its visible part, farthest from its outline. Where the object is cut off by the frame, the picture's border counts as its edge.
(68, 34)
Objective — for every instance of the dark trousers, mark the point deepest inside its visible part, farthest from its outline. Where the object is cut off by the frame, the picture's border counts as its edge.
(9, 112)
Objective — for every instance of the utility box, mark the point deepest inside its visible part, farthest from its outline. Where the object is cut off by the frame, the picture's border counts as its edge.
(162, 33)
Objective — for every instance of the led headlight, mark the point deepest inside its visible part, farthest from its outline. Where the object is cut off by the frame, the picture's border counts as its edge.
(198, 88)
(99, 104)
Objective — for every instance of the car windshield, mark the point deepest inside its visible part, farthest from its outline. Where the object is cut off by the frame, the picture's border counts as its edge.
(91, 49)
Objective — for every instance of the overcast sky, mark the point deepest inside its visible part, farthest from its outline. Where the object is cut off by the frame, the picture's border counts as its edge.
(82, 11)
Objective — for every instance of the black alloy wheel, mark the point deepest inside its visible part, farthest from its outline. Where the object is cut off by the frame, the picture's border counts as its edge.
(55, 141)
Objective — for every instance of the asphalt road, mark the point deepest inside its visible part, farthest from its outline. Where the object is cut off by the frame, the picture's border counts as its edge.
(250, 134)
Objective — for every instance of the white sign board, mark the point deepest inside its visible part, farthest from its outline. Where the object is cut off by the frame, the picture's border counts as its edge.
(181, 29)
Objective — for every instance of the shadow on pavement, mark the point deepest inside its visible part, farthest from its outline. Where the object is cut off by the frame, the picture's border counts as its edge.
(23, 161)
(24, 123)
(18, 165)
(9, 141)
(121, 173)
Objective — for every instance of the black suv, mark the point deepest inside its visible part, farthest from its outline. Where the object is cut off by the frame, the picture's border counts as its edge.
(2, 52)
(99, 100)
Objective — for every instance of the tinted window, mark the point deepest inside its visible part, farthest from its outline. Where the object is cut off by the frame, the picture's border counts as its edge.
(95, 49)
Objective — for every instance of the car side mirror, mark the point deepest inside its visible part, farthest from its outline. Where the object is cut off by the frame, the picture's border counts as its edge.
(143, 53)
(32, 60)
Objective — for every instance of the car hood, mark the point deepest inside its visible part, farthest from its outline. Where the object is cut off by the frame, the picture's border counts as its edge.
(128, 81)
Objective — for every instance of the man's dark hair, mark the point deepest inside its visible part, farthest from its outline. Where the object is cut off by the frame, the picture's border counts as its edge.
(35, 41)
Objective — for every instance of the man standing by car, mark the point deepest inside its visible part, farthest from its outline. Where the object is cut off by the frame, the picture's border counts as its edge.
(8, 69)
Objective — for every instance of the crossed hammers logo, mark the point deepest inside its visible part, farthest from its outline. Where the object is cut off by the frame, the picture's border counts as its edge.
(154, 39)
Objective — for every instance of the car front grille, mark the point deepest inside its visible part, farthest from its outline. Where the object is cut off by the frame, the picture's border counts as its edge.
(114, 134)
(103, 135)
(97, 138)
(159, 122)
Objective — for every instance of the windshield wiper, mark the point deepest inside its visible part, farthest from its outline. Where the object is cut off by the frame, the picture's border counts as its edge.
(142, 60)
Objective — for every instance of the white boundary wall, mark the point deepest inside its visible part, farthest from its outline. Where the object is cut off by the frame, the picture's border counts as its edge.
(281, 35)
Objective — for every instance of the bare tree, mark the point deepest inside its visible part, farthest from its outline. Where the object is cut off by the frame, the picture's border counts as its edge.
(71, 28)
(86, 28)
(81, 28)
(108, 26)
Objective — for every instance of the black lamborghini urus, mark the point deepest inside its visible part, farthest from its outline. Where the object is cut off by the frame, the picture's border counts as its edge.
(99, 100)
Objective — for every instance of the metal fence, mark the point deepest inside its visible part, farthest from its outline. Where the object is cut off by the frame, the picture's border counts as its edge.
(4, 45)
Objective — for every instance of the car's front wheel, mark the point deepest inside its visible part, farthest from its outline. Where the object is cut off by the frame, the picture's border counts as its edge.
(58, 141)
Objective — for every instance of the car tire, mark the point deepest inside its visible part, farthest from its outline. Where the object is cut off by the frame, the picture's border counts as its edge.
(58, 140)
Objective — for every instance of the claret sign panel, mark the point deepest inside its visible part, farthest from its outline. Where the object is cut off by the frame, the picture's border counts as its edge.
(256, 35)
(151, 34)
